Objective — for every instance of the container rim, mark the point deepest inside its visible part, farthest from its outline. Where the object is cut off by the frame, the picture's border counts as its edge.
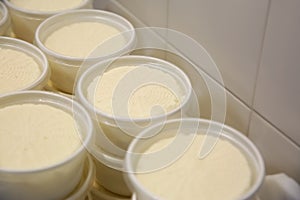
(42, 13)
(93, 109)
(106, 158)
(4, 10)
(99, 192)
(87, 182)
(44, 65)
(97, 13)
(58, 99)
(133, 181)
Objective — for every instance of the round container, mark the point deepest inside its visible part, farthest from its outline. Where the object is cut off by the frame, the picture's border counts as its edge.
(49, 87)
(36, 54)
(56, 181)
(187, 127)
(4, 20)
(82, 191)
(25, 22)
(100, 193)
(65, 68)
(113, 140)
(115, 133)
(109, 174)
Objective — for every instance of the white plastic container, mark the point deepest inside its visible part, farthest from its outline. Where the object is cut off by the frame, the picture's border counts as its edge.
(82, 191)
(4, 20)
(36, 54)
(100, 193)
(190, 127)
(116, 128)
(56, 181)
(25, 22)
(109, 174)
(65, 68)
(113, 140)
(50, 88)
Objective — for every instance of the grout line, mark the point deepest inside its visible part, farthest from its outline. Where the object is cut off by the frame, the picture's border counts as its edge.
(261, 49)
(259, 64)
(277, 129)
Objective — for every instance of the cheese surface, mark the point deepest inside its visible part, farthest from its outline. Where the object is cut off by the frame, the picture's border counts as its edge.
(224, 174)
(17, 70)
(82, 38)
(135, 91)
(34, 136)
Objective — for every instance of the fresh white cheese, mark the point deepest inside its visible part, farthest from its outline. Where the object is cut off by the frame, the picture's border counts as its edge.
(82, 38)
(17, 70)
(135, 91)
(33, 136)
(224, 174)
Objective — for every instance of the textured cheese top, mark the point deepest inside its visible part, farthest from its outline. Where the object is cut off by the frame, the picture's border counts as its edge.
(35, 135)
(223, 174)
(17, 70)
(81, 39)
(135, 91)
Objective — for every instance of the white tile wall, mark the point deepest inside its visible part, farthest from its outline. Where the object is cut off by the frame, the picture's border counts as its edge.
(280, 154)
(101, 4)
(232, 32)
(278, 92)
(116, 7)
(152, 13)
(140, 12)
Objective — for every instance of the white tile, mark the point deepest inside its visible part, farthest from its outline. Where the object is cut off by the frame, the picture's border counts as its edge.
(232, 32)
(278, 93)
(140, 12)
(280, 154)
(115, 7)
(152, 13)
(101, 4)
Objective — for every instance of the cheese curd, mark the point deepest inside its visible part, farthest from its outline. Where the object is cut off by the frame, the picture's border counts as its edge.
(33, 136)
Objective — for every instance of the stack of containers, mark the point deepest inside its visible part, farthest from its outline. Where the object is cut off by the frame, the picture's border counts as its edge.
(107, 87)
(76, 177)
(124, 102)
(43, 147)
(36, 162)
